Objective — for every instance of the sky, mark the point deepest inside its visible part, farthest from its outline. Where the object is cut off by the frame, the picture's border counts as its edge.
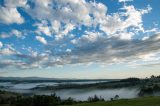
(91, 39)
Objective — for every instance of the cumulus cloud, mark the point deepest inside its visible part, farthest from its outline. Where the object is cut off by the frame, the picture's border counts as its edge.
(1, 44)
(125, 0)
(117, 24)
(16, 33)
(63, 16)
(15, 3)
(13, 32)
(9, 12)
(70, 15)
(80, 31)
(66, 11)
(7, 51)
(4, 35)
(41, 39)
(43, 28)
(10, 15)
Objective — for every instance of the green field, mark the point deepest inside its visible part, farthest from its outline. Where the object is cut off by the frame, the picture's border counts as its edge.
(146, 101)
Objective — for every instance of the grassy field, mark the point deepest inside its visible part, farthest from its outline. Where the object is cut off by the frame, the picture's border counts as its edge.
(146, 101)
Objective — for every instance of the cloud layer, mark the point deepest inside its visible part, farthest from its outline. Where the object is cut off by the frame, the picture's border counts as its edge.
(76, 32)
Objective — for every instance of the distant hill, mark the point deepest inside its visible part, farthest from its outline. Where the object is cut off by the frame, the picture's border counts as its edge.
(28, 79)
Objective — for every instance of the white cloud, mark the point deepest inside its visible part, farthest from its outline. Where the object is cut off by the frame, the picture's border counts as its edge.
(111, 24)
(1, 44)
(100, 37)
(134, 16)
(65, 16)
(91, 36)
(145, 38)
(68, 50)
(119, 23)
(67, 28)
(16, 33)
(7, 51)
(157, 37)
(147, 10)
(41, 10)
(41, 39)
(125, 0)
(68, 15)
(148, 57)
(4, 35)
(125, 35)
(107, 50)
(74, 41)
(13, 32)
(56, 25)
(152, 30)
(43, 28)
(15, 3)
(10, 15)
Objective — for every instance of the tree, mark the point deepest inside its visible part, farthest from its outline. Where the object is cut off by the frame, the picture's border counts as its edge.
(116, 97)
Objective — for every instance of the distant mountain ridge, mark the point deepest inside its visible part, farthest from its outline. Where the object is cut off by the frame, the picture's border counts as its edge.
(30, 78)
(47, 79)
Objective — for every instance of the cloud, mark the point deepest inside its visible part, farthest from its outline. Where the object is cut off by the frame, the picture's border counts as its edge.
(41, 39)
(63, 16)
(125, 0)
(148, 56)
(100, 50)
(106, 50)
(4, 35)
(66, 11)
(79, 32)
(13, 32)
(70, 15)
(15, 3)
(119, 23)
(1, 44)
(16, 33)
(7, 51)
(43, 28)
(10, 15)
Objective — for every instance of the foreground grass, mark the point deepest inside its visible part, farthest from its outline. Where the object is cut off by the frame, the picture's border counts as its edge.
(145, 101)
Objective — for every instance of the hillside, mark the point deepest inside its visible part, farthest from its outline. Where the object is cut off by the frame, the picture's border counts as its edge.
(145, 101)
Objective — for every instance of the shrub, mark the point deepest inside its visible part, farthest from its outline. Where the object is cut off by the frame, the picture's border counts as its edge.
(95, 99)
